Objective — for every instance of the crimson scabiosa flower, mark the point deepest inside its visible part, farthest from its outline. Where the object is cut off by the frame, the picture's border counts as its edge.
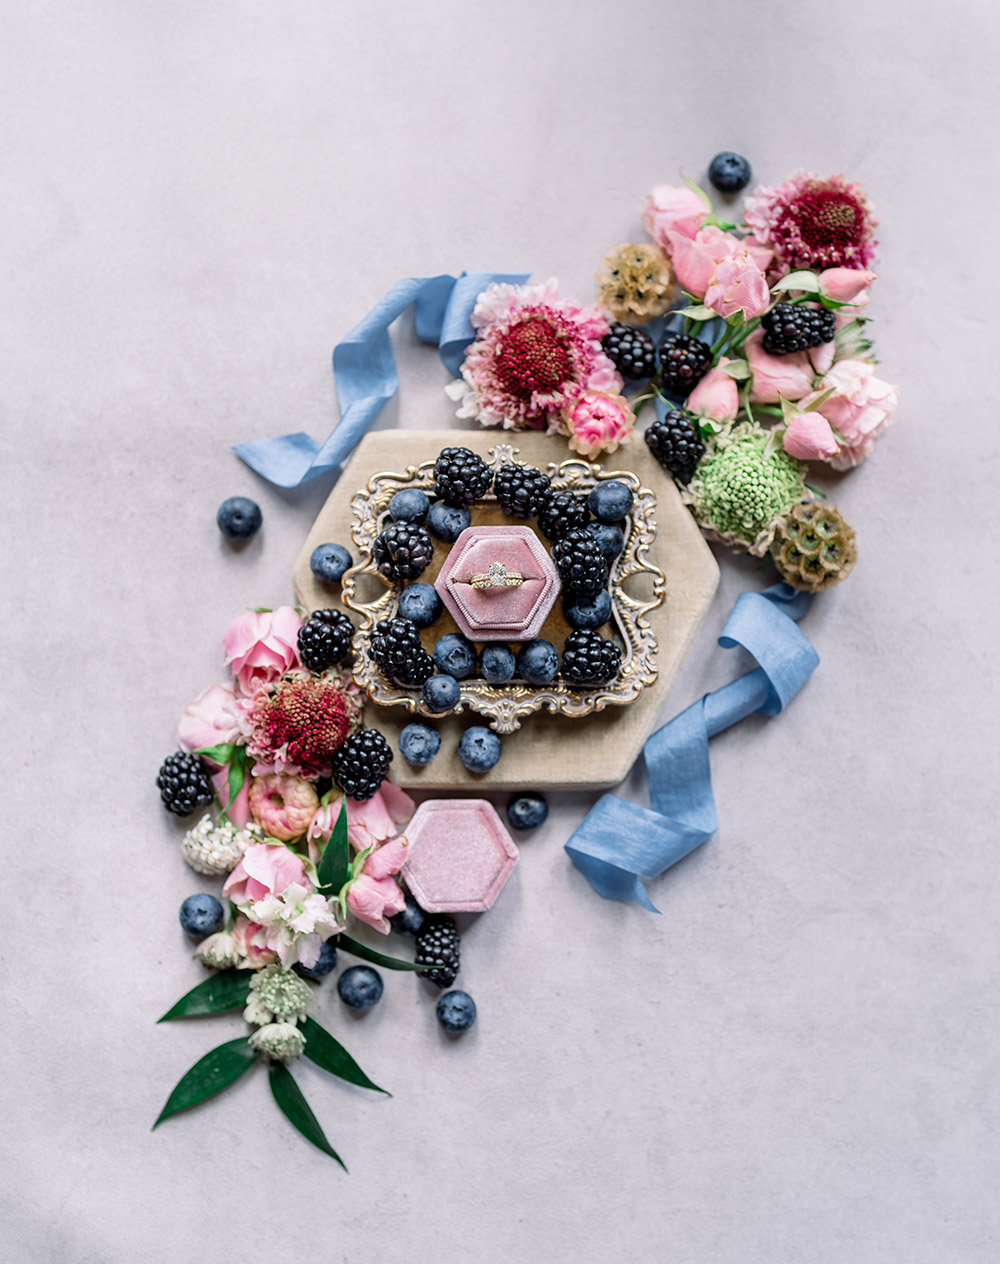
(814, 222)
(535, 354)
(297, 724)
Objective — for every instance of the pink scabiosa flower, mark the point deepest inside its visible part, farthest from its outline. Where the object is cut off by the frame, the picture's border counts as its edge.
(296, 725)
(374, 895)
(599, 423)
(673, 209)
(859, 409)
(261, 646)
(282, 806)
(696, 258)
(716, 397)
(814, 222)
(810, 437)
(738, 286)
(535, 353)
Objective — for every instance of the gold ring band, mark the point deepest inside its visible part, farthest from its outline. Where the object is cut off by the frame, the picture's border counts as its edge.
(497, 576)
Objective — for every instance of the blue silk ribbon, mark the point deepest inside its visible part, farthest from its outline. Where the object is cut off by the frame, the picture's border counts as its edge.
(365, 371)
(618, 843)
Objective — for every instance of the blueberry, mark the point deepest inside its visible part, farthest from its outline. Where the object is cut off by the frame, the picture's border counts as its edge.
(456, 1011)
(360, 987)
(410, 919)
(610, 501)
(610, 538)
(455, 655)
(239, 518)
(441, 693)
(480, 748)
(202, 915)
(409, 505)
(326, 963)
(329, 561)
(497, 664)
(729, 172)
(538, 661)
(420, 604)
(588, 612)
(419, 743)
(448, 522)
(527, 811)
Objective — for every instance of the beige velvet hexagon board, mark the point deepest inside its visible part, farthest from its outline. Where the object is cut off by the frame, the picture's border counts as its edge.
(550, 751)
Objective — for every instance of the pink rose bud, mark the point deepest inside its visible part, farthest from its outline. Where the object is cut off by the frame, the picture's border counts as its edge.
(670, 209)
(809, 437)
(738, 285)
(716, 396)
(776, 377)
(696, 258)
(845, 284)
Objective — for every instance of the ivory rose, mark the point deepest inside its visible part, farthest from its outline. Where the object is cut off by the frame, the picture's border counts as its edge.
(672, 209)
(261, 647)
(696, 258)
(738, 286)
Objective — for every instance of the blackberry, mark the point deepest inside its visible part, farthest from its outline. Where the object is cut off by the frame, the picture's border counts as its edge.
(438, 946)
(460, 477)
(676, 444)
(403, 550)
(520, 490)
(581, 563)
(684, 361)
(361, 764)
(324, 639)
(395, 646)
(789, 327)
(183, 784)
(561, 512)
(631, 351)
(589, 658)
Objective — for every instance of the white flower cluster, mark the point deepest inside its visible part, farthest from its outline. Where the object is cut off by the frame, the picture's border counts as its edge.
(280, 1041)
(216, 849)
(277, 995)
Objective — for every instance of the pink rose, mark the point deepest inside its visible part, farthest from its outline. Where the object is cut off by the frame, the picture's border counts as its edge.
(265, 869)
(283, 806)
(597, 421)
(248, 938)
(672, 210)
(846, 285)
(210, 720)
(859, 409)
(763, 256)
(716, 396)
(368, 823)
(776, 377)
(375, 895)
(738, 285)
(696, 258)
(262, 647)
(809, 437)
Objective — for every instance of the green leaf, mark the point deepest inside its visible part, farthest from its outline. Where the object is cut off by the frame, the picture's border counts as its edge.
(218, 754)
(807, 281)
(699, 190)
(214, 1072)
(713, 221)
(335, 864)
(739, 370)
(331, 1055)
(357, 949)
(296, 1109)
(237, 773)
(698, 312)
(228, 989)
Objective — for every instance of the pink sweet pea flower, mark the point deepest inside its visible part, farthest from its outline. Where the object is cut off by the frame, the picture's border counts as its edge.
(738, 285)
(670, 209)
(716, 396)
(846, 285)
(374, 895)
(809, 437)
(265, 869)
(696, 258)
(248, 938)
(859, 409)
(776, 377)
(262, 647)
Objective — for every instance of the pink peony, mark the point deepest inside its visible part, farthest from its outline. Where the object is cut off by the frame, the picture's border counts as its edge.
(374, 895)
(776, 377)
(368, 823)
(809, 437)
(262, 647)
(738, 286)
(670, 209)
(814, 222)
(846, 285)
(599, 422)
(859, 409)
(535, 353)
(247, 936)
(696, 258)
(282, 806)
(264, 869)
(716, 396)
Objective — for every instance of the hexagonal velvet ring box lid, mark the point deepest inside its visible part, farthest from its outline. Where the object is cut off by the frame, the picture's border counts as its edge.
(459, 857)
(502, 611)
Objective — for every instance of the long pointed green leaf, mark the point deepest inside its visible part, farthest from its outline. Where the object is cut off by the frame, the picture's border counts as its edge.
(296, 1109)
(237, 773)
(357, 949)
(220, 755)
(330, 1054)
(228, 989)
(335, 865)
(212, 1073)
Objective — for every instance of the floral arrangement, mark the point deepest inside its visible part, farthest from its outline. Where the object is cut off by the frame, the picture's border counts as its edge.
(751, 340)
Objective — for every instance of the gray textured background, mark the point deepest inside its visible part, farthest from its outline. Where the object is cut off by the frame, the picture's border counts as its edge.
(797, 1061)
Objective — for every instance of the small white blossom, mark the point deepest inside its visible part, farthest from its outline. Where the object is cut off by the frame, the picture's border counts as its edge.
(216, 849)
(277, 995)
(280, 1041)
(218, 951)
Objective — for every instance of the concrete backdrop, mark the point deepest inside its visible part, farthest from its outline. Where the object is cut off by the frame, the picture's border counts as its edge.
(797, 1061)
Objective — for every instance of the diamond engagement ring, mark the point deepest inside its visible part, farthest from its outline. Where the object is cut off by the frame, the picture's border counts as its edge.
(497, 576)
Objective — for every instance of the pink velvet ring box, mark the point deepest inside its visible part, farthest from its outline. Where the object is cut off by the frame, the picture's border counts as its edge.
(499, 614)
(459, 855)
